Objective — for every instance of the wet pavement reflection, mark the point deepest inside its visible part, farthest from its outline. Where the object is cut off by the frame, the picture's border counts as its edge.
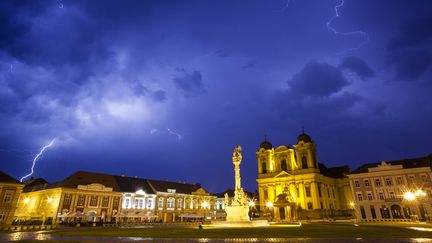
(46, 236)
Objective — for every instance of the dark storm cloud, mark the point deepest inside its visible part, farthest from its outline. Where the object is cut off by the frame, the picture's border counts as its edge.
(189, 83)
(357, 66)
(409, 52)
(410, 64)
(317, 80)
(414, 33)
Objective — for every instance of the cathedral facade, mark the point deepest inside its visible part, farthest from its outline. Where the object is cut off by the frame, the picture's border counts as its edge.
(293, 185)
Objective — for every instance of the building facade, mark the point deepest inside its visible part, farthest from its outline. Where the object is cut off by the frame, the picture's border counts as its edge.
(393, 191)
(96, 197)
(10, 190)
(293, 185)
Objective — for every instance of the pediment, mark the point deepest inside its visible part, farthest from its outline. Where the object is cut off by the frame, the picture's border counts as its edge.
(282, 174)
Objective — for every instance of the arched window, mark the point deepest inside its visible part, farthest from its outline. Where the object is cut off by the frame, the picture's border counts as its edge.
(179, 203)
(263, 167)
(284, 166)
(161, 203)
(170, 203)
(304, 162)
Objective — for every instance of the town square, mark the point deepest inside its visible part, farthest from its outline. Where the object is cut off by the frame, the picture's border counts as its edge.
(215, 121)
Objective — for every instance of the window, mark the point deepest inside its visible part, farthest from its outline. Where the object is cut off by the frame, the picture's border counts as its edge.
(298, 192)
(284, 165)
(265, 195)
(328, 192)
(93, 201)
(170, 203)
(377, 182)
(308, 191)
(179, 203)
(392, 195)
(381, 196)
(8, 196)
(373, 213)
(171, 190)
(149, 203)
(366, 183)
(195, 204)
(411, 178)
(319, 190)
(356, 183)
(424, 178)
(127, 203)
(116, 202)
(309, 205)
(105, 202)
(81, 200)
(388, 181)
(359, 196)
(399, 180)
(263, 166)
(3, 216)
(161, 203)
(304, 162)
(363, 213)
(369, 196)
(67, 199)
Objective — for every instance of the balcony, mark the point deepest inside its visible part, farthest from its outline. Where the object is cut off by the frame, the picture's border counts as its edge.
(393, 200)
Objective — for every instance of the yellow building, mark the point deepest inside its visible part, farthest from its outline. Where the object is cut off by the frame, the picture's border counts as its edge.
(293, 185)
(83, 196)
(10, 190)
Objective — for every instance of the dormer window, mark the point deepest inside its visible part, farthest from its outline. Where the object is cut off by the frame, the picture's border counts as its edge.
(171, 190)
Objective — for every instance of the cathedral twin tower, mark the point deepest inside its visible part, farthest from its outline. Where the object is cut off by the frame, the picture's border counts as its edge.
(293, 185)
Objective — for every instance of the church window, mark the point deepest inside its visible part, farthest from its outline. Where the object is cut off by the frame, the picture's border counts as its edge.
(284, 165)
(304, 162)
(309, 205)
(308, 191)
(263, 167)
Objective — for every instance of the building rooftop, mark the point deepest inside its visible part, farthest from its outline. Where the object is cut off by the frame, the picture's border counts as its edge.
(117, 183)
(5, 178)
(425, 161)
(334, 172)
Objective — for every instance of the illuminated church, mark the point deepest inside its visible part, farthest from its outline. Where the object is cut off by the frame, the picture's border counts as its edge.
(292, 184)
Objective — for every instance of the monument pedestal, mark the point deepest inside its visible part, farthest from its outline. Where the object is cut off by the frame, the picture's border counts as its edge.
(237, 213)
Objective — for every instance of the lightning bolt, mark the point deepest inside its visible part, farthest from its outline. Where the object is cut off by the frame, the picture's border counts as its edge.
(180, 137)
(364, 35)
(36, 158)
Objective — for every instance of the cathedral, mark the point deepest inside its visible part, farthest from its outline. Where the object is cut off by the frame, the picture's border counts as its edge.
(293, 185)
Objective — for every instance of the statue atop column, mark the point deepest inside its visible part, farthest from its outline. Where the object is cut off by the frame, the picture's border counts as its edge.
(240, 198)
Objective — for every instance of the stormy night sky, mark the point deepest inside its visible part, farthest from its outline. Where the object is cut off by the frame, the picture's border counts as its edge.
(166, 89)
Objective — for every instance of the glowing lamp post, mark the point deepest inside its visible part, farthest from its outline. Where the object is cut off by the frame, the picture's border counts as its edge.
(415, 197)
